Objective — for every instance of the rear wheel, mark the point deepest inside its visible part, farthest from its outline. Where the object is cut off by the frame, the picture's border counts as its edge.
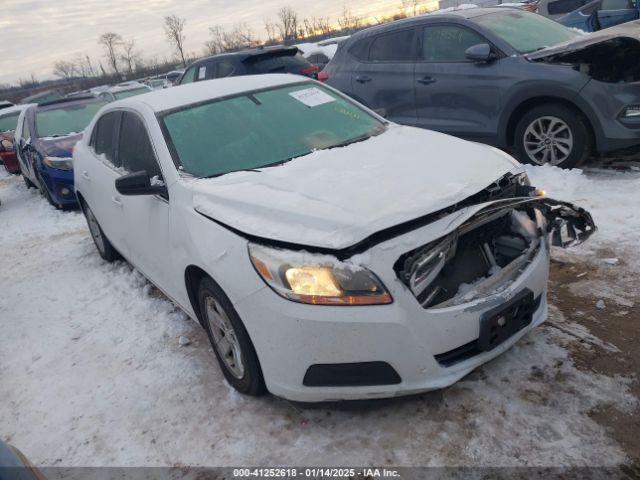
(105, 249)
(230, 340)
(553, 134)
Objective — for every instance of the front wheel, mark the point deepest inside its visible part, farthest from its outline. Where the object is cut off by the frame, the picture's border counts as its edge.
(105, 249)
(553, 134)
(230, 340)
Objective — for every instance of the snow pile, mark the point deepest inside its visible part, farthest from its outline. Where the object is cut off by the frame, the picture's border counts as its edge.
(611, 197)
(308, 49)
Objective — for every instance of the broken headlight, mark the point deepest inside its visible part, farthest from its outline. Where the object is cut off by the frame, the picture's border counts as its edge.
(317, 279)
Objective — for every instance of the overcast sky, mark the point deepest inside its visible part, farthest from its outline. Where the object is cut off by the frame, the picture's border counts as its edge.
(36, 33)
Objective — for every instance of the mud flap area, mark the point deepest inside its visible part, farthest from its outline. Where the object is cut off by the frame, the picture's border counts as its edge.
(567, 224)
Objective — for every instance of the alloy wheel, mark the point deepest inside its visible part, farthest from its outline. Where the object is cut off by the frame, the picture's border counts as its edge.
(224, 337)
(548, 140)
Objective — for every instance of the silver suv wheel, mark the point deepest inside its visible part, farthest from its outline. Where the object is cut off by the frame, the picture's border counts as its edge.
(548, 140)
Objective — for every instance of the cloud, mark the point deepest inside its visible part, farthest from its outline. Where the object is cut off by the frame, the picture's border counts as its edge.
(34, 34)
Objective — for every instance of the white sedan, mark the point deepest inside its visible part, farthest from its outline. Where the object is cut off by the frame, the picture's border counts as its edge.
(328, 253)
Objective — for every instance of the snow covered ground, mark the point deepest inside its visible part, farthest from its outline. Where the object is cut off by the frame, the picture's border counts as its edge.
(92, 371)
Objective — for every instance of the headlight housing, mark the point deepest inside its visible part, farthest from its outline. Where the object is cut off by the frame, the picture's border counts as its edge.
(7, 145)
(317, 279)
(632, 111)
(59, 163)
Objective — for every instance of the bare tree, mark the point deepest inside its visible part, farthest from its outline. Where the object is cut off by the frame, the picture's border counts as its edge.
(215, 44)
(348, 21)
(411, 7)
(111, 42)
(288, 23)
(272, 32)
(64, 69)
(174, 31)
(130, 56)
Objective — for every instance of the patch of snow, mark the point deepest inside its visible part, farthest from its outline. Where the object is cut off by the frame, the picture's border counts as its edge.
(600, 304)
(183, 341)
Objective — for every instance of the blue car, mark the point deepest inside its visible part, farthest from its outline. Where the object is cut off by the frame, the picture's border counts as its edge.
(44, 139)
(600, 14)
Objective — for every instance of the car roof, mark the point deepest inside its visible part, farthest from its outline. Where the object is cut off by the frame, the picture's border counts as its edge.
(125, 87)
(60, 103)
(190, 93)
(242, 55)
(438, 15)
(14, 109)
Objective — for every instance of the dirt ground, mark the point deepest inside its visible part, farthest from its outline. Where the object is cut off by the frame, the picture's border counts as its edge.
(616, 325)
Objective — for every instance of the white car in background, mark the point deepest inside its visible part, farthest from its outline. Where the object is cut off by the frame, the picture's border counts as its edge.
(123, 90)
(328, 253)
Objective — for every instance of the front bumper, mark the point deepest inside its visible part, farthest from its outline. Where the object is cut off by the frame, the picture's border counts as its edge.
(60, 185)
(290, 337)
(609, 100)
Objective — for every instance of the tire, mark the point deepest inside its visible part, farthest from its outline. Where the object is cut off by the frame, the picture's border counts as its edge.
(553, 134)
(102, 243)
(27, 182)
(221, 321)
(45, 191)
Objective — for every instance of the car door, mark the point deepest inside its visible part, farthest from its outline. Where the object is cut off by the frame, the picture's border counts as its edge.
(24, 148)
(383, 81)
(97, 175)
(146, 217)
(615, 12)
(453, 94)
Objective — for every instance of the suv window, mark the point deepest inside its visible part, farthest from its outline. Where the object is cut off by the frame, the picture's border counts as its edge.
(564, 6)
(102, 140)
(360, 49)
(448, 43)
(617, 5)
(279, 64)
(135, 152)
(188, 76)
(224, 69)
(393, 47)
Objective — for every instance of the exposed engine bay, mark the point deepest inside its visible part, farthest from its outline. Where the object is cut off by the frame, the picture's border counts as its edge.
(616, 60)
(488, 252)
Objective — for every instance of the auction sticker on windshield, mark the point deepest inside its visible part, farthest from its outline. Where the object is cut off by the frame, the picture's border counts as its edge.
(312, 97)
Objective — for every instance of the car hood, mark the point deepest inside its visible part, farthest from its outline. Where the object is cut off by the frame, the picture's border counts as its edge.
(338, 197)
(629, 30)
(59, 146)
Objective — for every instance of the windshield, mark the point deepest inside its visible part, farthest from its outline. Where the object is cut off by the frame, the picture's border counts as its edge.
(8, 122)
(66, 119)
(526, 32)
(130, 93)
(261, 128)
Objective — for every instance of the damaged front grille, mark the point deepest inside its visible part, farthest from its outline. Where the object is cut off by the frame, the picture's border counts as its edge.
(482, 257)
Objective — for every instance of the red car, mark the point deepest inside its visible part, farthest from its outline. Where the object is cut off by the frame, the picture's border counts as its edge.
(8, 121)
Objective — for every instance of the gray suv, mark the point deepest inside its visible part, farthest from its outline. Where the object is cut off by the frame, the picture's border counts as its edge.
(501, 76)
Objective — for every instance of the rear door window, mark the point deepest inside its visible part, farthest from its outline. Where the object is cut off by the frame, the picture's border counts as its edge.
(224, 69)
(360, 49)
(135, 152)
(103, 138)
(394, 47)
(448, 43)
(617, 5)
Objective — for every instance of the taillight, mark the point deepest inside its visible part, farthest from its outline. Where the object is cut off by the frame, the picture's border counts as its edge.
(311, 71)
(323, 76)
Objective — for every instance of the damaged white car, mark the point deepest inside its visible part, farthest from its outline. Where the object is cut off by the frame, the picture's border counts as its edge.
(328, 253)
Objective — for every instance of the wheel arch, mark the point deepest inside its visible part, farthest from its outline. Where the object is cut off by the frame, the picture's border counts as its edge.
(511, 120)
(193, 275)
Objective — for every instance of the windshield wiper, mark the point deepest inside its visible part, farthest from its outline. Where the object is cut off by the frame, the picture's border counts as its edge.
(232, 171)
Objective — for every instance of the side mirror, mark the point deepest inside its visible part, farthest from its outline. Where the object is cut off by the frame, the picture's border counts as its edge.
(139, 183)
(480, 53)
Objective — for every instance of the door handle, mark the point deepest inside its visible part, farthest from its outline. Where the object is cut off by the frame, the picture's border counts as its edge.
(427, 80)
(117, 201)
(363, 79)
(85, 175)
